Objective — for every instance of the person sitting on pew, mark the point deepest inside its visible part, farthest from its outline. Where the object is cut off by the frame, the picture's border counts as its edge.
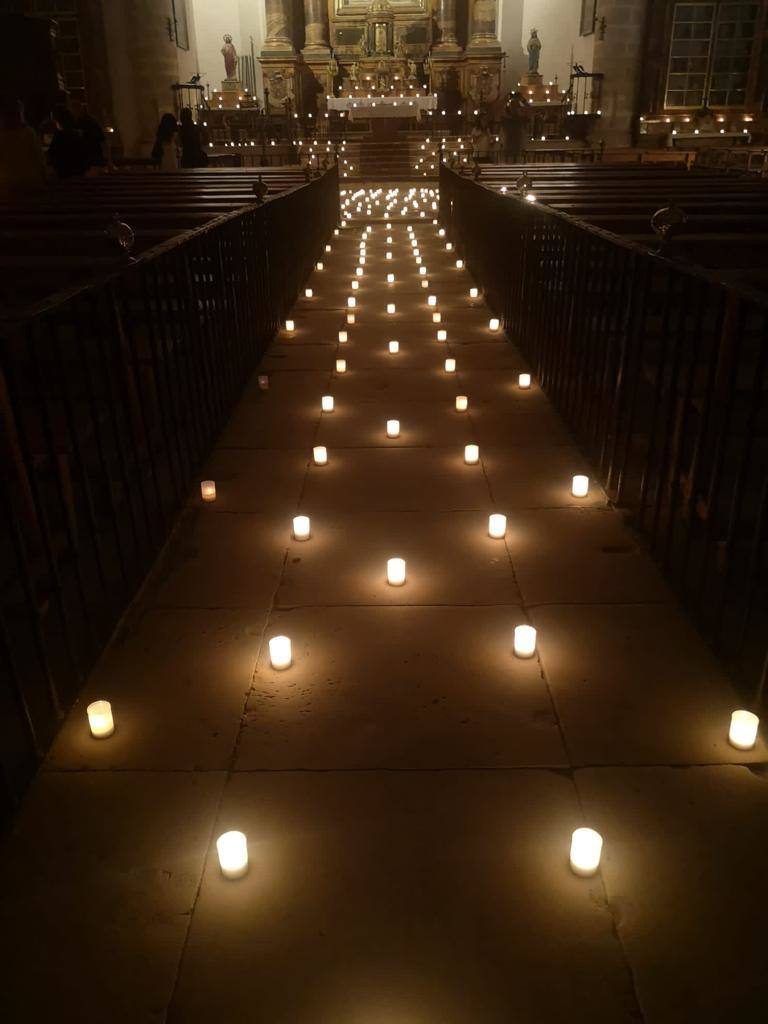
(192, 152)
(66, 153)
(165, 152)
(22, 165)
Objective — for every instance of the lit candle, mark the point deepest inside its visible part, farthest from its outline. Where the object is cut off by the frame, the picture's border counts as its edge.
(387, 255)
(580, 486)
(280, 652)
(442, 335)
(743, 731)
(232, 848)
(497, 525)
(341, 366)
(396, 571)
(343, 337)
(351, 301)
(450, 366)
(328, 248)
(524, 381)
(319, 265)
(290, 326)
(586, 847)
(390, 278)
(459, 264)
(437, 318)
(473, 293)
(431, 300)
(390, 308)
(308, 293)
(441, 233)
(394, 347)
(326, 403)
(425, 284)
(471, 454)
(301, 527)
(100, 719)
(320, 455)
(493, 323)
(525, 641)
(355, 285)
(393, 428)
(350, 318)
(423, 271)
(358, 272)
(263, 382)
(418, 261)
(448, 246)
(461, 403)
(208, 490)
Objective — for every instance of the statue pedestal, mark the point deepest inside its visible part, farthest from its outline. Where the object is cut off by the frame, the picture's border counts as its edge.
(532, 78)
(231, 92)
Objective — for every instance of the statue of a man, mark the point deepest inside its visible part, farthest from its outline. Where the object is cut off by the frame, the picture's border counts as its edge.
(230, 56)
(534, 48)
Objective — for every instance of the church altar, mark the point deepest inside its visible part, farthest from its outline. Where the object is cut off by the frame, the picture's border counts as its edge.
(382, 106)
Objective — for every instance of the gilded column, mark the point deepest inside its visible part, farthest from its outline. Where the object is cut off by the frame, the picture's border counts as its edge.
(446, 25)
(278, 13)
(482, 25)
(315, 25)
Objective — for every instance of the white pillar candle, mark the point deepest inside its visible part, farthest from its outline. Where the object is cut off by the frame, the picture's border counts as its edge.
(232, 848)
(341, 366)
(343, 337)
(308, 293)
(431, 300)
(425, 284)
(497, 525)
(290, 326)
(390, 308)
(319, 265)
(301, 527)
(389, 240)
(350, 318)
(328, 247)
(473, 293)
(743, 731)
(280, 652)
(586, 847)
(390, 278)
(320, 455)
(437, 318)
(208, 490)
(361, 261)
(100, 720)
(448, 246)
(524, 381)
(450, 366)
(359, 271)
(471, 454)
(394, 347)
(493, 323)
(326, 403)
(396, 571)
(441, 232)
(442, 335)
(462, 402)
(580, 486)
(351, 301)
(525, 641)
(355, 285)
(393, 428)
(263, 382)
(423, 271)
(418, 260)
(387, 255)
(459, 264)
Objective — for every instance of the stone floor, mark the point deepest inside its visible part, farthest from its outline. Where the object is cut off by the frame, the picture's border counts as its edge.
(408, 787)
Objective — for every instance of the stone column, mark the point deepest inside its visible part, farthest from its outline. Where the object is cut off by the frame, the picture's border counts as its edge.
(482, 24)
(446, 24)
(315, 25)
(619, 55)
(278, 26)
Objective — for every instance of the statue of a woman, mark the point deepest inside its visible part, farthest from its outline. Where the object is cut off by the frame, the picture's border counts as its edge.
(534, 48)
(230, 56)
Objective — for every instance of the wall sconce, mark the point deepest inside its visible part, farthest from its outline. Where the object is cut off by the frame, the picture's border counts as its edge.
(232, 849)
(462, 403)
(280, 652)
(586, 848)
(580, 486)
(208, 490)
(396, 572)
(743, 731)
(320, 455)
(471, 454)
(301, 527)
(525, 641)
(393, 428)
(497, 526)
(100, 720)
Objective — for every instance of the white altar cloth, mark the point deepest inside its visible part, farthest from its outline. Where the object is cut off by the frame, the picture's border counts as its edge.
(382, 106)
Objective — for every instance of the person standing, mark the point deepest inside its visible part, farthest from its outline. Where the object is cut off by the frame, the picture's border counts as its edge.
(165, 152)
(66, 153)
(192, 152)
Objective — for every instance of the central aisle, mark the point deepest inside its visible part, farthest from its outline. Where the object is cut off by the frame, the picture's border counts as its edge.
(408, 787)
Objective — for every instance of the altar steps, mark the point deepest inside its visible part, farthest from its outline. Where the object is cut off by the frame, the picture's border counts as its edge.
(389, 161)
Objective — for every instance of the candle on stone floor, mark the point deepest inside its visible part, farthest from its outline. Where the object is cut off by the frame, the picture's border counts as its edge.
(448, 246)
(343, 337)
(743, 731)
(280, 652)
(442, 334)
(431, 300)
(361, 261)
(387, 255)
(425, 284)
(320, 455)
(437, 318)
(319, 265)
(473, 293)
(390, 278)
(358, 271)
(441, 233)
(471, 454)
(208, 490)
(100, 720)
(355, 285)
(263, 382)
(394, 347)
(525, 641)
(497, 525)
(308, 293)
(301, 527)
(396, 571)
(423, 271)
(580, 486)
(459, 264)
(290, 326)
(328, 248)
(350, 318)
(326, 403)
(493, 323)
(391, 308)
(393, 428)
(524, 381)
(462, 402)
(418, 261)
(450, 365)
(341, 366)
(232, 849)
(586, 848)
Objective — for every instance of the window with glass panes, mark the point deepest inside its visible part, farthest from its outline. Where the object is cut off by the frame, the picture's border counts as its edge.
(709, 53)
